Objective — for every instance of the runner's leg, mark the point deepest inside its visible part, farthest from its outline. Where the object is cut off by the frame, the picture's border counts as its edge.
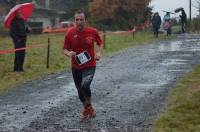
(77, 76)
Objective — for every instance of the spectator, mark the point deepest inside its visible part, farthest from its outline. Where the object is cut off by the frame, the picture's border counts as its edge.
(18, 32)
(183, 17)
(167, 23)
(156, 22)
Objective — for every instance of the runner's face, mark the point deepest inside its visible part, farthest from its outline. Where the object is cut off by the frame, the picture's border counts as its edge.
(80, 21)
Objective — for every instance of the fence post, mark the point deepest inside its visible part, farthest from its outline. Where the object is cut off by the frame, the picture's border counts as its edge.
(104, 39)
(133, 32)
(48, 51)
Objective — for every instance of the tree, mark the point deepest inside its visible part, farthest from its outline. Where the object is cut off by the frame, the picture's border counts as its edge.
(118, 12)
(197, 6)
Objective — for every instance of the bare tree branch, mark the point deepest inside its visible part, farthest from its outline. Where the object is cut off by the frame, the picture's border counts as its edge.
(197, 7)
(198, 1)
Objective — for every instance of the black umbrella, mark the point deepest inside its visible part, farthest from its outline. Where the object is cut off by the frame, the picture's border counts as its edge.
(168, 12)
(178, 9)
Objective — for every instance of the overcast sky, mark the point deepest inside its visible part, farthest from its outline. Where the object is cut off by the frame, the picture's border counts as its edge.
(170, 5)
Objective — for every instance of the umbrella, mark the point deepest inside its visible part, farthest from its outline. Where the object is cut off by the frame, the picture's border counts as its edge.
(26, 9)
(178, 9)
(168, 12)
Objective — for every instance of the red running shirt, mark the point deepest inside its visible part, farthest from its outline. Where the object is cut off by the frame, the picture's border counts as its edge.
(79, 41)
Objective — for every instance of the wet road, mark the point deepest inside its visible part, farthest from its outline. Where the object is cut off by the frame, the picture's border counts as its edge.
(129, 90)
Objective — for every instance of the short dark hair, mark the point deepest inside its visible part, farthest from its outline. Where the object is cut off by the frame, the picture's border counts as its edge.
(81, 11)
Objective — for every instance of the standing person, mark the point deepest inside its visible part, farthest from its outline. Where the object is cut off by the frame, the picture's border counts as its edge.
(156, 21)
(79, 46)
(183, 17)
(18, 32)
(167, 23)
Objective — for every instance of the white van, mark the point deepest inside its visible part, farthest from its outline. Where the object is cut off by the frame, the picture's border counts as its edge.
(66, 24)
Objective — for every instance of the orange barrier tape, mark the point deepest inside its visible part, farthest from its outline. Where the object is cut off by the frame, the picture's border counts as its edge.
(19, 49)
(62, 30)
(49, 30)
(58, 30)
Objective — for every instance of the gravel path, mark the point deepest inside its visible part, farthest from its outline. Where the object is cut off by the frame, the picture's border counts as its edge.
(129, 90)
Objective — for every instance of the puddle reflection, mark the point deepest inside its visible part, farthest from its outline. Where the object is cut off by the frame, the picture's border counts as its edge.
(172, 46)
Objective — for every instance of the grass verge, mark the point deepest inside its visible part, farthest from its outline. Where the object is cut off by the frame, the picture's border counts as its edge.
(182, 113)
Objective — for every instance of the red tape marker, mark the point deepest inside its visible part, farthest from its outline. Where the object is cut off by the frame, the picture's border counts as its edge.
(8, 51)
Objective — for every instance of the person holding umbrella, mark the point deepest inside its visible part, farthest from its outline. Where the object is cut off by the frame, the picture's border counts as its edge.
(16, 22)
(18, 32)
(183, 17)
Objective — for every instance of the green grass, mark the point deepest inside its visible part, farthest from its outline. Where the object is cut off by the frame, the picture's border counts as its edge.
(35, 61)
(115, 43)
(182, 113)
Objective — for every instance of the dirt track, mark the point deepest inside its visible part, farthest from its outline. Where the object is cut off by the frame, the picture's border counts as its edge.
(129, 90)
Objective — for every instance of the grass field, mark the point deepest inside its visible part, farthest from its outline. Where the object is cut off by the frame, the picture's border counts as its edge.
(182, 112)
(35, 61)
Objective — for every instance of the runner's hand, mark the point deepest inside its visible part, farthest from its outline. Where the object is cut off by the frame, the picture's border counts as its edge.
(69, 53)
(97, 56)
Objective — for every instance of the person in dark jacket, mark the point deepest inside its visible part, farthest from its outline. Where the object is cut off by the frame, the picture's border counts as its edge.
(18, 32)
(156, 22)
(183, 17)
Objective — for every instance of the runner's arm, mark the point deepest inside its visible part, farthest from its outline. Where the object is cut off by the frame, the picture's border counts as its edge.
(98, 53)
(69, 53)
(66, 48)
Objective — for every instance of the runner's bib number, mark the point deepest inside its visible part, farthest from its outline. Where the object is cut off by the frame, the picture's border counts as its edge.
(82, 58)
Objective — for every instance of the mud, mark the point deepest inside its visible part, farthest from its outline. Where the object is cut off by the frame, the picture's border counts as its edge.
(128, 91)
